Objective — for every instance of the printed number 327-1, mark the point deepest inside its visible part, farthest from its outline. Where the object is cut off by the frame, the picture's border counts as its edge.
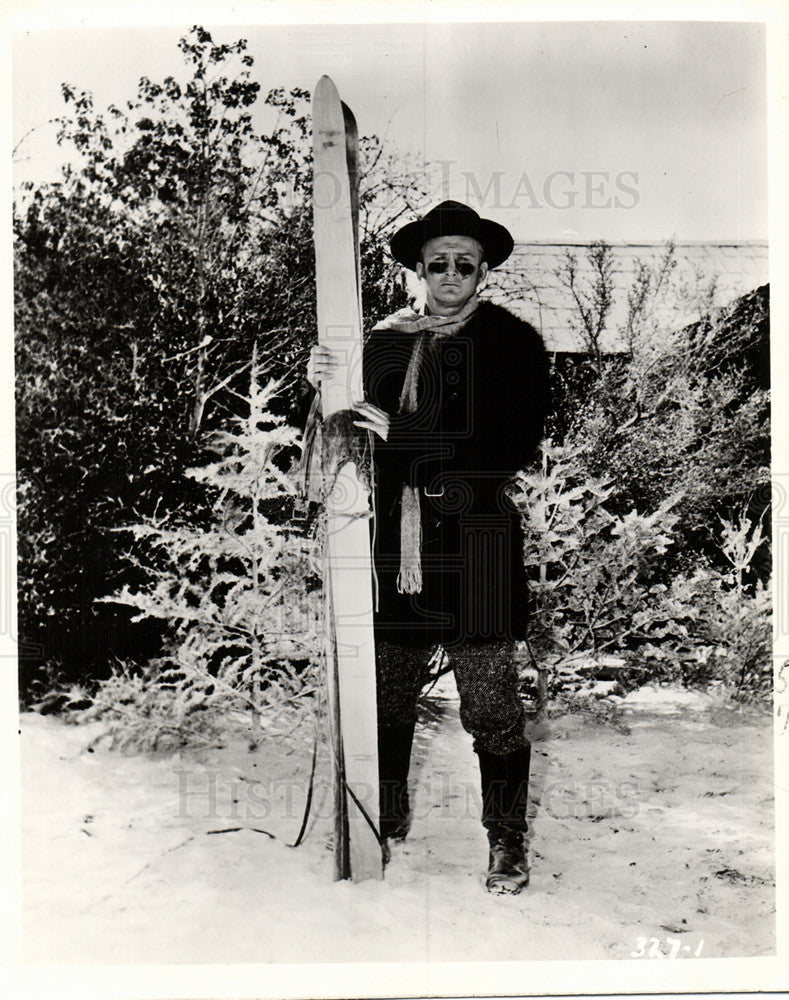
(674, 945)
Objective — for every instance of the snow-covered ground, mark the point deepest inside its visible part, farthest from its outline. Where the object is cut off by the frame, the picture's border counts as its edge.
(655, 832)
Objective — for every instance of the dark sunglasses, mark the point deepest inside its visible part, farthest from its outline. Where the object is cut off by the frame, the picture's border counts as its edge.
(463, 268)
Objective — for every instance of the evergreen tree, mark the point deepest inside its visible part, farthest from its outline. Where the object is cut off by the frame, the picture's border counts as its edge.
(178, 239)
(239, 596)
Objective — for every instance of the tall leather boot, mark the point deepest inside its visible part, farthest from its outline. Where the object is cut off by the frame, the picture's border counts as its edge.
(505, 789)
(394, 758)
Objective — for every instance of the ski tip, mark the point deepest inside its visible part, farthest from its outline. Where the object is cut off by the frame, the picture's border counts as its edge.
(325, 86)
(348, 115)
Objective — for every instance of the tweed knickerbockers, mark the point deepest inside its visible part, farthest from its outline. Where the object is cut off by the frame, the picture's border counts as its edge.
(487, 682)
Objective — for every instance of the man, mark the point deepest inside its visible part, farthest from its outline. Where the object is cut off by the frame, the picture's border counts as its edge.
(457, 396)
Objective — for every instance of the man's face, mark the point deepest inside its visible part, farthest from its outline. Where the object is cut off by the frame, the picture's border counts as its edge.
(449, 289)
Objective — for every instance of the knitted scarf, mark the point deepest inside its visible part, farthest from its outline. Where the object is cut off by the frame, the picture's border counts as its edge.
(429, 328)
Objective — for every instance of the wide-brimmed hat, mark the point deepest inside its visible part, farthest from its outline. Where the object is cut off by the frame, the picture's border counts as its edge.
(451, 218)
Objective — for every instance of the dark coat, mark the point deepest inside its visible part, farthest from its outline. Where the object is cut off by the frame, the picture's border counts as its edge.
(482, 400)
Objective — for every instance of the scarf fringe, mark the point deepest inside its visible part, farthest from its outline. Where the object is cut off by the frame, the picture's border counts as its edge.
(309, 470)
(327, 446)
(409, 579)
(409, 582)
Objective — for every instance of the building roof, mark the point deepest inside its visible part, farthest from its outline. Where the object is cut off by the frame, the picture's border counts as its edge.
(696, 277)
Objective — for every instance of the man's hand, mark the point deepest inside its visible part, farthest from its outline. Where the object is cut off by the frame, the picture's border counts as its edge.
(322, 364)
(373, 419)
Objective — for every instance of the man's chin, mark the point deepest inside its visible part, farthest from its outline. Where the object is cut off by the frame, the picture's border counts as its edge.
(452, 301)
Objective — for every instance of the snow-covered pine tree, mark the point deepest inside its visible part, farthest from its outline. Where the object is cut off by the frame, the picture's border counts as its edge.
(242, 595)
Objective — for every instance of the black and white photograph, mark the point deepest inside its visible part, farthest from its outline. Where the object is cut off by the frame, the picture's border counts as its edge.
(391, 502)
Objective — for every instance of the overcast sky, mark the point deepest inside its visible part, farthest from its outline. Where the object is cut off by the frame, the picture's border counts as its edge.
(620, 130)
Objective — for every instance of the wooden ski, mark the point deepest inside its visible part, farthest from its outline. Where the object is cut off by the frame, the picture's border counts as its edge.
(345, 452)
